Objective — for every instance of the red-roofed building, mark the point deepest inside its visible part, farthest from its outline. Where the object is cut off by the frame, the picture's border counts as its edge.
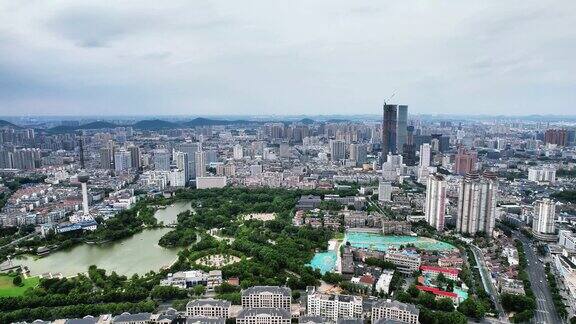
(450, 273)
(440, 293)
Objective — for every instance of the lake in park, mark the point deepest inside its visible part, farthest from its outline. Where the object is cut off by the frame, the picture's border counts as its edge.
(137, 254)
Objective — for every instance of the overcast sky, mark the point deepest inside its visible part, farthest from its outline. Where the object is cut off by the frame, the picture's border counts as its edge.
(286, 57)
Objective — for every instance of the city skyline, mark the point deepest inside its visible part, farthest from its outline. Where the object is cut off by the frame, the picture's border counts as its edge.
(232, 58)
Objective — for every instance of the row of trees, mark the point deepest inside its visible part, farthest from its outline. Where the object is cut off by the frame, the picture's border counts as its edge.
(556, 297)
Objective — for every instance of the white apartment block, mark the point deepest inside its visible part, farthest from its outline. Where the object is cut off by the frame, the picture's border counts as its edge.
(333, 307)
(395, 311)
(264, 316)
(212, 308)
(267, 297)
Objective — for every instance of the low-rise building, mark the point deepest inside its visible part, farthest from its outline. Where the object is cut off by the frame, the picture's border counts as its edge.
(264, 316)
(396, 311)
(185, 279)
(383, 283)
(433, 272)
(205, 320)
(267, 297)
(439, 293)
(406, 262)
(127, 318)
(333, 307)
(213, 308)
(396, 227)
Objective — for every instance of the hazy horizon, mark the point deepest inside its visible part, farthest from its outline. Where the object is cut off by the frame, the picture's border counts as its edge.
(301, 58)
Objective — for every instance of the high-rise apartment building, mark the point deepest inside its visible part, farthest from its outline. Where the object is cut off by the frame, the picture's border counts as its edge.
(465, 162)
(135, 156)
(477, 201)
(238, 152)
(543, 222)
(337, 150)
(122, 160)
(161, 159)
(358, 153)
(181, 160)
(556, 136)
(106, 158)
(190, 148)
(542, 174)
(200, 163)
(436, 201)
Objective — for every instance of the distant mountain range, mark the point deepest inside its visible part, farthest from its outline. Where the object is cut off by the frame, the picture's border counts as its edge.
(149, 124)
(4, 123)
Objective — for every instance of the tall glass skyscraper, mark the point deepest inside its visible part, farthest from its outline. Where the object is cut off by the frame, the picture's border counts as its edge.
(389, 130)
(402, 125)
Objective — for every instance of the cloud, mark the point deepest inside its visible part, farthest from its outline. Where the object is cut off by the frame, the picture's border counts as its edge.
(91, 26)
(264, 57)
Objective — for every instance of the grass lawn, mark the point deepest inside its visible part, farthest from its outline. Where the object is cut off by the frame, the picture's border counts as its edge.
(7, 289)
(339, 236)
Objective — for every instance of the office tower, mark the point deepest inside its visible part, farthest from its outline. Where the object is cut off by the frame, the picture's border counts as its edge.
(134, 157)
(401, 128)
(384, 191)
(358, 153)
(443, 142)
(436, 201)
(337, 150)
(238, 152)
(181, 160)
(106, 158)
(543, 223)
(161, 159)
(409, 149)
(190, 148)
(200, 163)
(477, 201)
(389, 130)
(123, 160)
(83, 179)
(465, 162)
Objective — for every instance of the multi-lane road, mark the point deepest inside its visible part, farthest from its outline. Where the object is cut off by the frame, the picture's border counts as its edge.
(545, 311)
